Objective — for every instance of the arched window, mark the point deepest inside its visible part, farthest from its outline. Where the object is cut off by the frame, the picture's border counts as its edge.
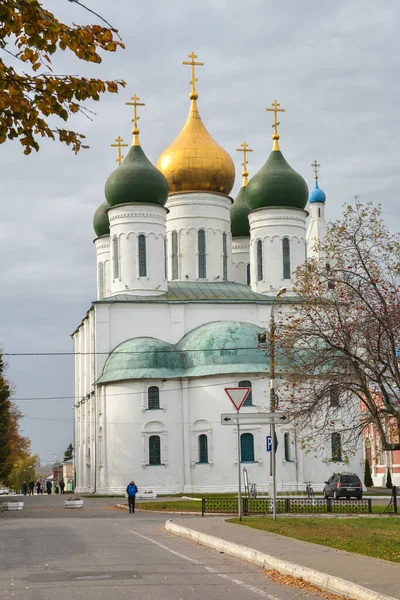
(115, 253)
(153, 397)
(248, 274)
(259, 261)
(246, 447)
(154, 450)
(287, 448)
(174, 252)
(249, 399)
(224, 258)
(142, 255)
(203, 448)
(201, 248)
(334, 397)
(336, 443)
(100, 273)
(286, 258)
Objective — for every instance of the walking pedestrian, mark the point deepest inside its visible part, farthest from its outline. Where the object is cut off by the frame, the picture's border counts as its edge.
(38, 487)
(48, 487)
(31, 487)
(131, 490)
(62, 485)
(24, 488)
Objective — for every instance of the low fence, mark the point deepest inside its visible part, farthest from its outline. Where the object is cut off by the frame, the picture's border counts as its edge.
(259, 506)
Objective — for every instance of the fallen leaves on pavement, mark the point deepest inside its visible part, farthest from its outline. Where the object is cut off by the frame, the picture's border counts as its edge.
(301, 584)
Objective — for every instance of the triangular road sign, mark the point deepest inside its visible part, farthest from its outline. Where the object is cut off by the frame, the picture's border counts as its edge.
(238, 395)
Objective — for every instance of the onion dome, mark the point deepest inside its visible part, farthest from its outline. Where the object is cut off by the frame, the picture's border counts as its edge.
(136, 180)
(195, 162)
(317, 195)
(240, 226)
(276, 184)
(101, 224)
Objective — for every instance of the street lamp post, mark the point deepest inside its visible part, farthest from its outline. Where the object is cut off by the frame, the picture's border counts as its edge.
(272, 401)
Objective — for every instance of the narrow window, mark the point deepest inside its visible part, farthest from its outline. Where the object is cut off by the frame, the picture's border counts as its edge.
(319, 211)
(153, 397)
(286, 258)
(174, 255)
(165, 259)
(142, 255)
(249, 399)
(115, 248)
(334, 396)
(336, 443)
(248, 274)
(201, 243)
(259, 261)
(203, 448)
(224, 258)
(154, 450)
(286, 444)
(101, 280)
(247, 447)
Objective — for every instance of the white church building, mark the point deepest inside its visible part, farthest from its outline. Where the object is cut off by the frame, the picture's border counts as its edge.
(186, 277)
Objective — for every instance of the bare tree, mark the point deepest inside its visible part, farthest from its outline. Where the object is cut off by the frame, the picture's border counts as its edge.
(343, 339)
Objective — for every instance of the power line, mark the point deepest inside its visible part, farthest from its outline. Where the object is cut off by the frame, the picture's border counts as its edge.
(114, 352)
(125, 393)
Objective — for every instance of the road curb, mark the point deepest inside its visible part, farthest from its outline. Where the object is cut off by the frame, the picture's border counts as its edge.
(330, 583)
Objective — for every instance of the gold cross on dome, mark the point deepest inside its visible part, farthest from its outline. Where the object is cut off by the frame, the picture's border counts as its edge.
(275, 110)
(245, 149)
(193, 94)
(315, 167)
(119, 145)
(135, 119)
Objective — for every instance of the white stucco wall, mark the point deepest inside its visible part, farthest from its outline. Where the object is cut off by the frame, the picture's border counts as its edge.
(316, 229)
(271, 226)
(127, 223)
(188, 213)
(240, 259)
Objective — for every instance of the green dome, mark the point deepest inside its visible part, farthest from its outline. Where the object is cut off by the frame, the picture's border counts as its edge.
(101, 224)
(223, 347)
(276, 184)
(240, 226)
(136, 180)
(142, 357)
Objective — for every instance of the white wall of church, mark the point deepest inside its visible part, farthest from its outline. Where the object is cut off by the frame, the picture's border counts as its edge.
(241, 260)
(188, 214)
(115, 431)
(316, 229)
(269, 227)
(137, 249)
(102, 245)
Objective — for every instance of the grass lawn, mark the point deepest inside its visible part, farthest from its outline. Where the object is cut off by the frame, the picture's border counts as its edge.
(173, 506)
(379, 538)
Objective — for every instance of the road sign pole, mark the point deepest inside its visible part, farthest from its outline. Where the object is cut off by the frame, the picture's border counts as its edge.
(239, 480)
(273, 472)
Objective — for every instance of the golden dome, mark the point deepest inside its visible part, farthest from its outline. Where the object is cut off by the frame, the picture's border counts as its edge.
(194, 162)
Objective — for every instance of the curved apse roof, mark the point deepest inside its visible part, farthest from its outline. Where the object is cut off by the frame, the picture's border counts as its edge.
(211, 349)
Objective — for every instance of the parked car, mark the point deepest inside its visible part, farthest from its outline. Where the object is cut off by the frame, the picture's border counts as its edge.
(343, 485)
(4, 491)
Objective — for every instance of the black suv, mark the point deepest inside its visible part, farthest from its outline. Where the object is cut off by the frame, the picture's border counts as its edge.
(343, 485)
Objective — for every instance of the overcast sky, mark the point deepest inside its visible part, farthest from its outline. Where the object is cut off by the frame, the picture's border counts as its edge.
(334, 66)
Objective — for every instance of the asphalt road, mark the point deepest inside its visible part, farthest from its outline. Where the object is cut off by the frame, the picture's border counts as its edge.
(48, 552)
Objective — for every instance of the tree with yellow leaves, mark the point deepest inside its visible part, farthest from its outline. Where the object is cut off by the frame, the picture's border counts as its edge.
(30, 92)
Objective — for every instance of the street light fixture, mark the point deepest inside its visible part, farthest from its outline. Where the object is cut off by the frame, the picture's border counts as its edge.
(272, 399)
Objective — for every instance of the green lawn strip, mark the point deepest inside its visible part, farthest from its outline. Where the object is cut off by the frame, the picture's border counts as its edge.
(379, 538)
(173, 506)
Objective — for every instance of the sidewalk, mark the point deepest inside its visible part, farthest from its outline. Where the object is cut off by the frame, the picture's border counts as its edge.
(334, 570)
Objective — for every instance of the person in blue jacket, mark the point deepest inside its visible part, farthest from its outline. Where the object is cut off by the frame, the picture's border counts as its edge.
(131, 490)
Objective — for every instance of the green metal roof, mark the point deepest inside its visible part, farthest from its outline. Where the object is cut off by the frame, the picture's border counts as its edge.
(212, 349)
(193, 291)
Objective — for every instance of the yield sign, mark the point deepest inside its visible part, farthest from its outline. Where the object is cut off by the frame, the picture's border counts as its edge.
(238, 395)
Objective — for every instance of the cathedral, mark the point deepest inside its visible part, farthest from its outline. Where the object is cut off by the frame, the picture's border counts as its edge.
(186, 280)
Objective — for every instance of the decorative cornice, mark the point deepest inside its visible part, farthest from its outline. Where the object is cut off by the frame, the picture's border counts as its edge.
(276, 217)
(224, 202)
(136, 215)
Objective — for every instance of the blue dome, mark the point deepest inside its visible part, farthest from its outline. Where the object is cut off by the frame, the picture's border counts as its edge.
(317, 195)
